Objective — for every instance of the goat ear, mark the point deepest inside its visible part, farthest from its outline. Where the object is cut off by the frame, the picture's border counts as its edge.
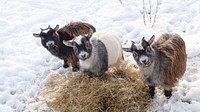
(133, 47)
(57, 27)
(151, 39)
(144, 43)
(127, 49)
(68, 43)
(41, 35)
(143, 40)
(36, 35)
(90, 33)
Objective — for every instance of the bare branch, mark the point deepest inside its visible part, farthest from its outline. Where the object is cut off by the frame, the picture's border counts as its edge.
(144, 17)
(121, 1)
(155, 15)
(150, 12)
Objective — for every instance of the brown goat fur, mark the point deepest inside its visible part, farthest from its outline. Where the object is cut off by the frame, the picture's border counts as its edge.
(175, 51)
(77, 28)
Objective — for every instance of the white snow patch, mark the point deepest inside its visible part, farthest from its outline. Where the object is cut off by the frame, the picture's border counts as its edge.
(25, 64)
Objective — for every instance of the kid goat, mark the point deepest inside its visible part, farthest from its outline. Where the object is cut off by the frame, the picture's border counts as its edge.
(96, 52)
(52, 41)
(161, 63)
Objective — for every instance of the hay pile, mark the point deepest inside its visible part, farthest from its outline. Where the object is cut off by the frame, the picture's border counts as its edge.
(119, 90)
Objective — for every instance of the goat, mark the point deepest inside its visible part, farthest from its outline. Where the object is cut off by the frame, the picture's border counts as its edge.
(52, 41)
(162, 62)
(97, 52)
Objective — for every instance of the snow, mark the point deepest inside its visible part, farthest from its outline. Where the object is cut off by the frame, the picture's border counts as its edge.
(25, 64)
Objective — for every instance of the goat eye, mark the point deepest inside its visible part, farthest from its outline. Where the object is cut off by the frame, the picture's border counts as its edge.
(135, 54)
(87, 45)
(75, 49)
(42, 38)
(148, 49)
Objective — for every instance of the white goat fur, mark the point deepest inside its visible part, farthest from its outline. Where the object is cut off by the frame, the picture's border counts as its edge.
(113, 46)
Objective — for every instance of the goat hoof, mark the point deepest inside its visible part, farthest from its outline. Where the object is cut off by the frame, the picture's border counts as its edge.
(65, 65)
(152, 91)
(75, 69)
(90, 76)
(167, 93)
(152, 96)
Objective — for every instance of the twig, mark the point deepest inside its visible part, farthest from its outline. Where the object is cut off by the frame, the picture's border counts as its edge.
(121, 1)
(149, 13)
(155, 15)
(144, 17)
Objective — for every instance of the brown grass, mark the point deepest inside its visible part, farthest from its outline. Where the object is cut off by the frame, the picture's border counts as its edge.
(119, 90)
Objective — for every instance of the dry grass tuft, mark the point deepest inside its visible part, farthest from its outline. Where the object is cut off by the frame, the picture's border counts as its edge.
(119, 90)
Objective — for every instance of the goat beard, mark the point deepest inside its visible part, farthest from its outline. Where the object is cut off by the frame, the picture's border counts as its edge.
(52, 47)
(54, 50)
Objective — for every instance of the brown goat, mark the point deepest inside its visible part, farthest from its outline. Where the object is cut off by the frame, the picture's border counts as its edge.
(53, 41)
(161, 63)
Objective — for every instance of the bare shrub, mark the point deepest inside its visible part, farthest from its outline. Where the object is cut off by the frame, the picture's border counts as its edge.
(149, 12)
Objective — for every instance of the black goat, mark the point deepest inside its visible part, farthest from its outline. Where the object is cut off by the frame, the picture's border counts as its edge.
(52, 40)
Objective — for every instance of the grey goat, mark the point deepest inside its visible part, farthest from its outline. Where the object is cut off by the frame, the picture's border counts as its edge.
(162, 62)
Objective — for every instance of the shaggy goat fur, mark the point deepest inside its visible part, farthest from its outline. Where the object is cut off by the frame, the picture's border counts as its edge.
(171, 52)
(161, 63)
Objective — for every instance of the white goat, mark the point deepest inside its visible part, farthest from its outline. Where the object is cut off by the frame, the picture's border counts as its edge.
(97, 52)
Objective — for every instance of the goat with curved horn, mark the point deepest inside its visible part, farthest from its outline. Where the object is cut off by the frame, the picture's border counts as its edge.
(53, 39)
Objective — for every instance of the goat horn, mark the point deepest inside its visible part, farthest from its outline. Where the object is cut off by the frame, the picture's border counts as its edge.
(45, 28)
(143, 38)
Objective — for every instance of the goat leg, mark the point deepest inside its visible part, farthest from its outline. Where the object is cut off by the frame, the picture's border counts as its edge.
(90, 74)
(75, 68)
(66, 65)
(152, 91)
(168, 93)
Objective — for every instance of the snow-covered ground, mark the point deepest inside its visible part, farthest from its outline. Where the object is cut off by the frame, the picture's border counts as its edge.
(25, 64)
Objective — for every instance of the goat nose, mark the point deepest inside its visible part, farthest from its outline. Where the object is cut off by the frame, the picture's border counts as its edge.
(50, 45)
(144, 61)
(83, 55)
